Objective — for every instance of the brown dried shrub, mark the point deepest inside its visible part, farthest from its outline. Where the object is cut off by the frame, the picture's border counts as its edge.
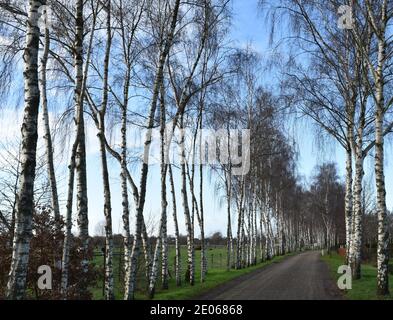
(46, 248)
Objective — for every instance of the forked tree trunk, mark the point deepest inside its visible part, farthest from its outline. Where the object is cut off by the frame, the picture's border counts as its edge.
(16, 285)
(143, 237)
(145, 166)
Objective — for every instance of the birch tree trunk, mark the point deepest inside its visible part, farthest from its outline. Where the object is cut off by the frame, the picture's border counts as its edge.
(145, 166)
(47, 132)
(127, 41)
(201, 206)
(228, 188)
(176, 225)
(78, 100)
(250, 232)
(190, 275)
(143, 237)
(25, 206)
(357, 220)
(164, 202)
(348, 202)
(357, 214)
(240, 223)
(154, 270)
(162, 241)
(124, 188)
(80, 164)
(195, 206)
(261, 235)
(269, 236)
(201, 215)
(255, 258)
(109, 289)
(383, 234)
(68, 226)
(146, 246)
(109, 282)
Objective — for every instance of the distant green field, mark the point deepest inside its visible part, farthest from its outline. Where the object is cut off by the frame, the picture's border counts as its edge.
(217, 274)
(362, 289)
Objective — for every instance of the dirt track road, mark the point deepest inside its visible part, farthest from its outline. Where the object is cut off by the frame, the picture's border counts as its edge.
(301, 277)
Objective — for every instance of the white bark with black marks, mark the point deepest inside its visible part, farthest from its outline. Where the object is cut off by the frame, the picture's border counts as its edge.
(16, 285)
(176, 226)
(383, 233)
(46, 123)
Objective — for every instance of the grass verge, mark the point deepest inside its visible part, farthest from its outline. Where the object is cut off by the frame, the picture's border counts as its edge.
(362, 289)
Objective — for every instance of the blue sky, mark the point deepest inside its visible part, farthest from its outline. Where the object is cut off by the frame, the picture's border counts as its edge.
(249, 27)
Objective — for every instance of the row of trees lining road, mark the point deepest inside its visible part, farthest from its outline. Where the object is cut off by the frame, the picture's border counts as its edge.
(126, 68)
(345, 87)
